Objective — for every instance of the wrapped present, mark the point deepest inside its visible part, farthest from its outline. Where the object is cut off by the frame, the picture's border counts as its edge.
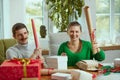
(61, 76)
(16, 69)
(88, 65)
(57, 62)
(117, 62)
(81, 75)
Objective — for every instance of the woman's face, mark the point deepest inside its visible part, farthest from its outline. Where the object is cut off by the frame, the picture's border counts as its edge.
(21, 36)
(74, 32)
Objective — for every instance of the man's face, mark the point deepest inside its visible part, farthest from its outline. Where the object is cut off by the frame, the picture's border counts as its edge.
(21, 36)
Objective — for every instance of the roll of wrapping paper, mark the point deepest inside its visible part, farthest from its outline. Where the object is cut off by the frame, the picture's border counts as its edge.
(89, 24)
(35, 34)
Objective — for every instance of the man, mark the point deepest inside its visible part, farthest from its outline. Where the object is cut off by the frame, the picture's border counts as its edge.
(22, 49)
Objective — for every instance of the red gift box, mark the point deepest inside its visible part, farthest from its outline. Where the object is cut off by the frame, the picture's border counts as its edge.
(13, 70)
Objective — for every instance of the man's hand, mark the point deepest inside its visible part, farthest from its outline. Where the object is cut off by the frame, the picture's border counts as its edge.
(37, 54)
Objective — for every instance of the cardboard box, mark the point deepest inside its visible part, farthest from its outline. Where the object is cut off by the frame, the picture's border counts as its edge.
(13, 71)
(57, 62)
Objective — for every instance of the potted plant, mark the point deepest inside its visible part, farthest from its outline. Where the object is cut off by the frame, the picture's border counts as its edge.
(61, 12)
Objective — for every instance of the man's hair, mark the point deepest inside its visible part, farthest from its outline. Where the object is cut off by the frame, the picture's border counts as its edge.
(18, 26)
(74, 23)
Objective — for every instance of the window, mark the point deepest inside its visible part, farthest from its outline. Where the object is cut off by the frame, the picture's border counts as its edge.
(1, 7)
(34, 10)
(108, 22)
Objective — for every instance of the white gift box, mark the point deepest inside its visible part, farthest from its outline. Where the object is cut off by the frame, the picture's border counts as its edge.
(61, 76)
(57, 62)
(81, 75)
(117, 62)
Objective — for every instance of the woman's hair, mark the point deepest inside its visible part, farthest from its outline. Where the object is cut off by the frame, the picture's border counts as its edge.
(74, 23)
(18, 26)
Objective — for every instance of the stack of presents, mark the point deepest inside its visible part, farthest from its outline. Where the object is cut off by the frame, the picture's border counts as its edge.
(26, 69)
(60, 63)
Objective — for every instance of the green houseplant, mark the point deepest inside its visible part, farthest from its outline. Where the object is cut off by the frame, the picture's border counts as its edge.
(61, 12)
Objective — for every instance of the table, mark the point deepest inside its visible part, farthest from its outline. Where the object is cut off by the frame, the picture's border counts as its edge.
(49, 77)
(45, 78)
(112, 76)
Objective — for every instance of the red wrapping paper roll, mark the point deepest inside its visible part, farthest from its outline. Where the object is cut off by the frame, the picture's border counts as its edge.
(35, 34)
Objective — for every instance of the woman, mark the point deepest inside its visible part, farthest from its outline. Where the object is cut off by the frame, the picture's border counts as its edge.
(77, 49)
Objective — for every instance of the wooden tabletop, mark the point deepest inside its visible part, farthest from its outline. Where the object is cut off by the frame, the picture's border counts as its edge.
(49, 77)
(45, 78)
(36, 78)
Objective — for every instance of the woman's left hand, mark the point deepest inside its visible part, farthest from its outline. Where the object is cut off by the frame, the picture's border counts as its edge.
(96, 49)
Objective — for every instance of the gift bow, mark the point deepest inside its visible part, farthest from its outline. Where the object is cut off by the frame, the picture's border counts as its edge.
(106, 70)
(24, 62)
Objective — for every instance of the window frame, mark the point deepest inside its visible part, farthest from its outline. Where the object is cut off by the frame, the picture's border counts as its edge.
(111, 15)
(1, 18)
(42, 18)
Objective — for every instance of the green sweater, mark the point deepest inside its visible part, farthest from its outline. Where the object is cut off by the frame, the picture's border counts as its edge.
(84, 54)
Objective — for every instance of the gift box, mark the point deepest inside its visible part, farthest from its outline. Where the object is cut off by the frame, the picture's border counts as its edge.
(81, 75)
(16, 70)
(61, 76)
(57, 62)
(91, 65)
(117, 62)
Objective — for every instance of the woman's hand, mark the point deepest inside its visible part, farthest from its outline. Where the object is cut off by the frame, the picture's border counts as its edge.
(96, 49)
(63, 54)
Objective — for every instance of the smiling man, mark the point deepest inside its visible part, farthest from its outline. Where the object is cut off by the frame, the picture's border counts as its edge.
(22, 49)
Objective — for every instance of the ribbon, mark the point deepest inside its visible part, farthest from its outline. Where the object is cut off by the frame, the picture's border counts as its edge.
(93, 34)
(106, 70)
(24, 62)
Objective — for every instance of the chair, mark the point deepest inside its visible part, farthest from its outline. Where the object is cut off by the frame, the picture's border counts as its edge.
(55, 39)
(4, 45)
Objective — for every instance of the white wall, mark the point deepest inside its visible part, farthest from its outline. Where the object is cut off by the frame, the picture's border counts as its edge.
(111, 55)
(13, 12)
(6, 19)
(17, 11)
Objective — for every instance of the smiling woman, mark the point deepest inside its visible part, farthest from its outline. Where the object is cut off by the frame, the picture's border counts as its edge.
(77, 49)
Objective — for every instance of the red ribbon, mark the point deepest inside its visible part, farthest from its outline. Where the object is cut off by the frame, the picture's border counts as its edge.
(93, 34)
(24, 60)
